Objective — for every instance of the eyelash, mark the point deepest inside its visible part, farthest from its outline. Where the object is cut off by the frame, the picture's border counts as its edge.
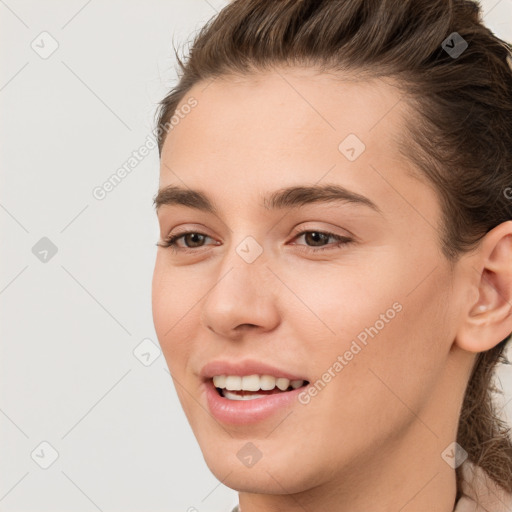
(170, 242)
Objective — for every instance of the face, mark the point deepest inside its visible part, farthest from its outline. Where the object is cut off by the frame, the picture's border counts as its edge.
(352, 295)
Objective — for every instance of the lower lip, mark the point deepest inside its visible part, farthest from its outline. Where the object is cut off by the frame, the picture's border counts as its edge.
(245, 412)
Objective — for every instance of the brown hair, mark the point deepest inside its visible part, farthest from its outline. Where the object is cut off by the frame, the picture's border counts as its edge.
(461, 141)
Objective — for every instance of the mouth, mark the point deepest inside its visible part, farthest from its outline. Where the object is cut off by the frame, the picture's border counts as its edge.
(253, 387)
(249, 399)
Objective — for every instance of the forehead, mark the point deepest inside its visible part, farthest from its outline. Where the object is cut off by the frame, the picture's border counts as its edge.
(291, 126)
(290, 108)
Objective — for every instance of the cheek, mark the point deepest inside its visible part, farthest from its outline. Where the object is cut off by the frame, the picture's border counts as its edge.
(343, 302)
(172, 307)
(390, 330)
(174, 293)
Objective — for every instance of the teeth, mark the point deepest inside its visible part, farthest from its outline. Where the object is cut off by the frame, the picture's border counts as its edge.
(234, 396)
(267, 382)
(282, 383)
(233, 383)
(254, 382)
(250, 383)
(219, 381)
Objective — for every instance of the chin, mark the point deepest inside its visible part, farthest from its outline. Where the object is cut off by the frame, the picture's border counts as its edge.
(275, 475)
(258, 481)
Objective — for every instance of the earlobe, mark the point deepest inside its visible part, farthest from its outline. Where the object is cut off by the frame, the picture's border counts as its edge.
(489, 319)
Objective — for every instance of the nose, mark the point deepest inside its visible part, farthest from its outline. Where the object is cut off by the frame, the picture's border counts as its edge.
(242, 297)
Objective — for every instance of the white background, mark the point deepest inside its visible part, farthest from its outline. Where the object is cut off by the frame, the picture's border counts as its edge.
(69, 326)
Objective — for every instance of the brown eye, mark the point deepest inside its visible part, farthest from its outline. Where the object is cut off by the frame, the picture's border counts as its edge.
(192, 240)
(316, 237)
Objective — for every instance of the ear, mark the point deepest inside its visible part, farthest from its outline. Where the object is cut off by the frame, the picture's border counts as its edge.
(488, 319)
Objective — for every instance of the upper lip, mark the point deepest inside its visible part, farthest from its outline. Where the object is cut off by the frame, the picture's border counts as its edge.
(245, 367)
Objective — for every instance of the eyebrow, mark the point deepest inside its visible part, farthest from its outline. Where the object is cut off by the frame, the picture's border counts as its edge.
(284, 198)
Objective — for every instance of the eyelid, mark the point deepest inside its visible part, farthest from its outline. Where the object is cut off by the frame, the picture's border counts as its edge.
(171, 240)
(190, 228)
(314, 227)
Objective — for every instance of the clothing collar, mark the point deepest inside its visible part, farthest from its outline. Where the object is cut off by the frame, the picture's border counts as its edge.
(480, 493)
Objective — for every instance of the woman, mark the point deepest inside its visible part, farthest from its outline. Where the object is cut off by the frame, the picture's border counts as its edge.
(333, 283)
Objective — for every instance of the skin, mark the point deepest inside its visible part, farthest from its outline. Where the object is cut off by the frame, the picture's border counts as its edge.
(372, 439)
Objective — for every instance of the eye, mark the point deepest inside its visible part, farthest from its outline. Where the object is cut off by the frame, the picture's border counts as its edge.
(318, 237)
(193, 237)
(194, 240)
